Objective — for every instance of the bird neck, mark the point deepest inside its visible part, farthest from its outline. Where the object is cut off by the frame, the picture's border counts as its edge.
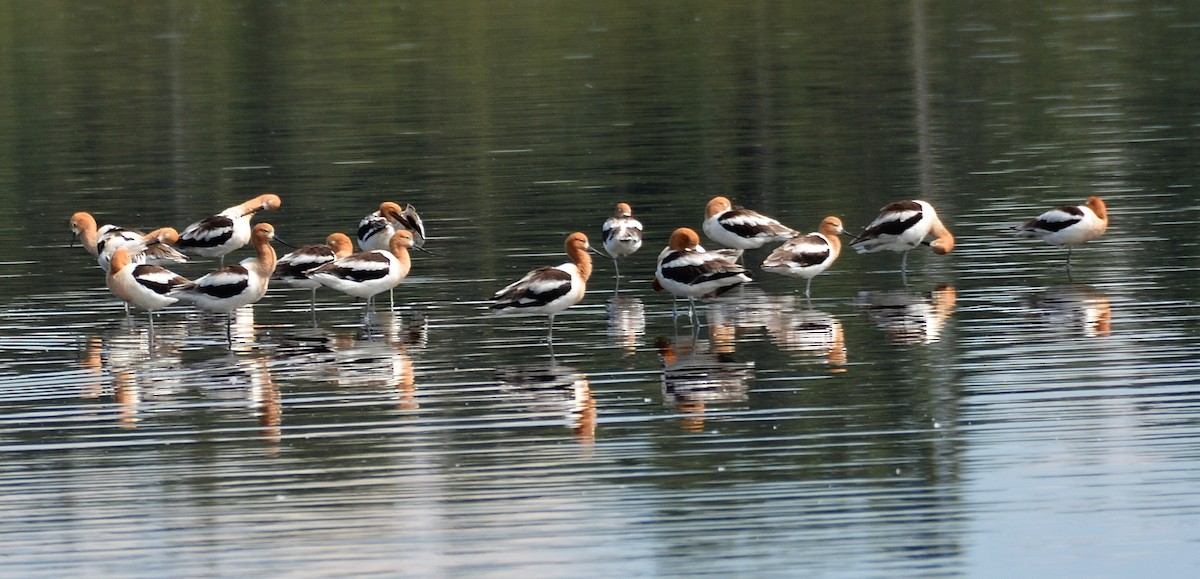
(247, 209)
(582, 260)
(831, 233)
(835, 241)
(400, 251)
(87, 236)
(165, 235)
(943, 241)
(265, 264)
(391, 211)
(268, 201)
(119, 260)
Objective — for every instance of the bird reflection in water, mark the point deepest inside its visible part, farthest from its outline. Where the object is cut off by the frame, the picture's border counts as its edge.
(750, 310)
(556, 386)
(134, 362)
(242, 331)
(390, 328)
(92, 384)
(265, 399)
(128, 396)
(626, 322)
(125, 391)
(695, 376)
(382, 359)
(789, 322)
(376, 365)
(1078, 308)
(810, 332)
(136, 370)
(910, 318)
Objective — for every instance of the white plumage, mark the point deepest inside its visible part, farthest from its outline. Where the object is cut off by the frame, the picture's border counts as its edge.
(145, 286)
(901, 226)
(622, 234)
(375, 230)
(809, 255)
(152, 248)
(686, 270)
(291, 268)
(741, 228)
(102, 241)
(1069, 225)
(226, 231)
(234, 286)
(549, 290)
(368, 273)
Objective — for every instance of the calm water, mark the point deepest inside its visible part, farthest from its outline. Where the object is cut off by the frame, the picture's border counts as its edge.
(994, 416)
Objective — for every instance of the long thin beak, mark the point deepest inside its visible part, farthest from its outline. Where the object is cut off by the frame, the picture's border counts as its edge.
(425, 250)
(276, 238)
(598, 252)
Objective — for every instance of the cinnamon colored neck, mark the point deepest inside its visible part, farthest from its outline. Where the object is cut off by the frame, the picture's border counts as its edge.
(943, 242)
(582, 261)
(266, 255)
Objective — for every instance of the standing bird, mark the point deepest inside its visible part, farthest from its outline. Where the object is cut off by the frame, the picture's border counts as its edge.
(233, 286)
(741, 228)
(1069, 225)
(902, 226)
(622, 234)
(98, 240)
(686, 270)
(809, 255)
(368, 273)
(550, 290)
(226, 231)
(376, 229)
(290, 268)
(145, 286)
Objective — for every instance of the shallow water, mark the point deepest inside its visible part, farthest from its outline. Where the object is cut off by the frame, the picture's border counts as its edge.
(996, 413)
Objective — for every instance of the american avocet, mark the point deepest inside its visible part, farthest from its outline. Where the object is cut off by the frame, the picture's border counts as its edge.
(1069, 225)
(99, 240)
(550, 290)
(145, 286)
(622, 234)
(902, 226)
(367, 273)
(233, 286)
(742, 228)
(141, 249)
(686, 270)
(290, 268)
(376, 229)
(226, 231)
(809, 255)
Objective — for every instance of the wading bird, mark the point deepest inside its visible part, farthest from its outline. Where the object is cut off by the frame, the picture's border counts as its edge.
(1069, 225)
(550, 290)
(809, 255)
(902, 226)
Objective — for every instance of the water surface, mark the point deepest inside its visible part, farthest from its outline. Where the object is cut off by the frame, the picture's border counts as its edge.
(995, 414)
